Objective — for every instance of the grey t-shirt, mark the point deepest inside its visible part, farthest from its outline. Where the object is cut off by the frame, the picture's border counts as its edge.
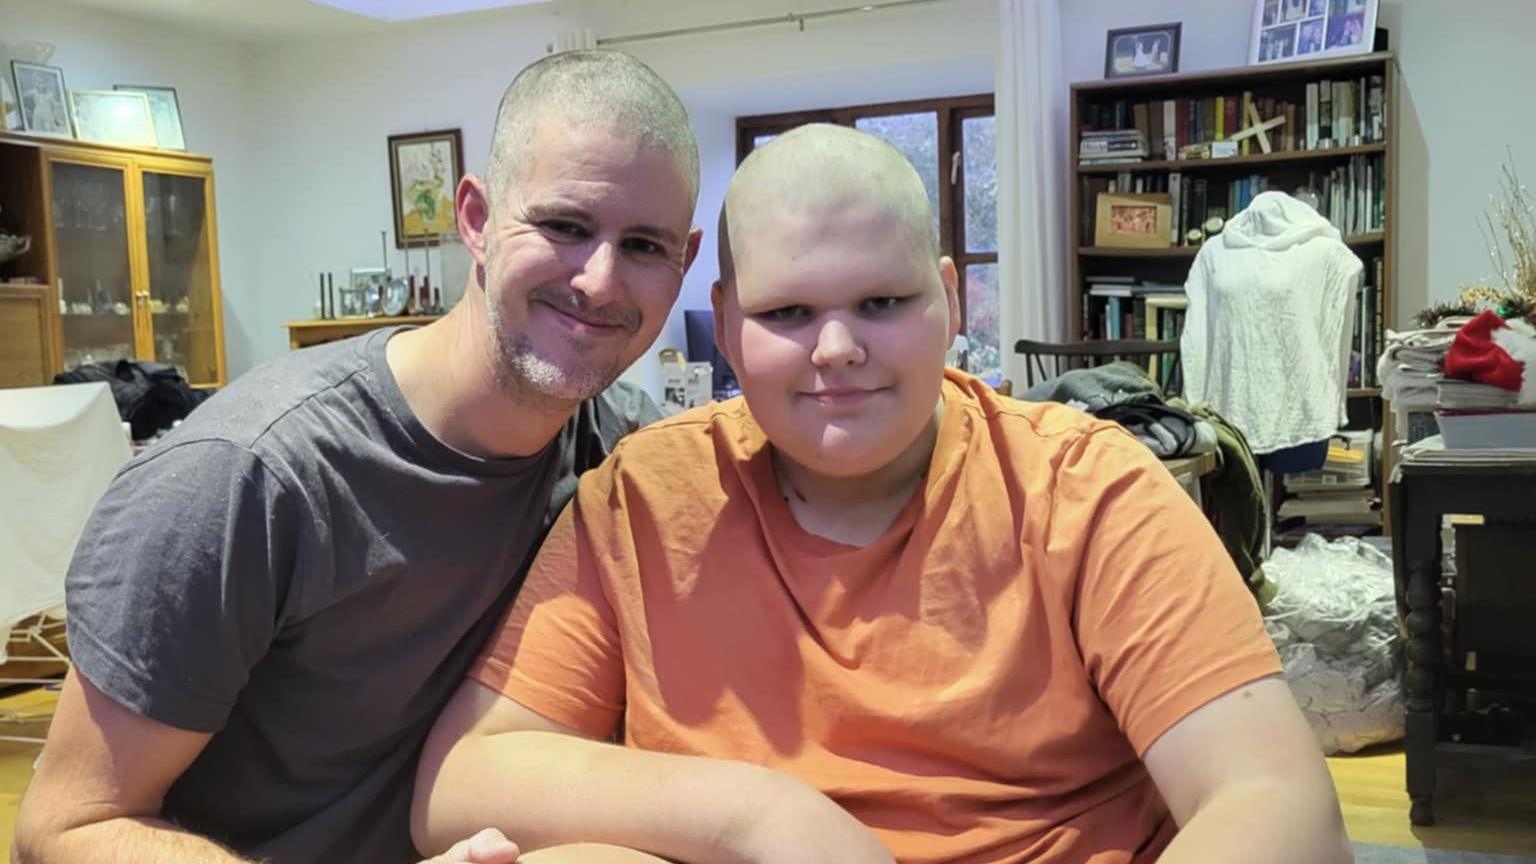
(302, 570)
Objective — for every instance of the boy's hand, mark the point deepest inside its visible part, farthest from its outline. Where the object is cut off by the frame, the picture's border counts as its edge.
(487, 847)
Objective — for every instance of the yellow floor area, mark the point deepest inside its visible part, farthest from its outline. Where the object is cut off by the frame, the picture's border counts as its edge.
(1475, 813)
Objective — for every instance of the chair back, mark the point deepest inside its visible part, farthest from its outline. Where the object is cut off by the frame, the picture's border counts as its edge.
(1046, 360)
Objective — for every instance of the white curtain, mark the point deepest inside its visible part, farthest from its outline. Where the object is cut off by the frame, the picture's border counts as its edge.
(1031, 175)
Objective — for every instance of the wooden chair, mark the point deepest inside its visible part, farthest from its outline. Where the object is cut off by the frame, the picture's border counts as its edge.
(1046, 360)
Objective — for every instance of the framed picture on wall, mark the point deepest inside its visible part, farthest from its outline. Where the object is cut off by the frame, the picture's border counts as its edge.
(424, 170)
(1287, 31)
(165, 111)
(42, 99)
(1134, 51)
(112, 117)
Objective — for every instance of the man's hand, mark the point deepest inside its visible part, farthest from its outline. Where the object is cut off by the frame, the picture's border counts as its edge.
(487, 847)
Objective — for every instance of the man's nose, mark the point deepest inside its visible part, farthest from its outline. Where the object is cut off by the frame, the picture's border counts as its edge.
(598, 277)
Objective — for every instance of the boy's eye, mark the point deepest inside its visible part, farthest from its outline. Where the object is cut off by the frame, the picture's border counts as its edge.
(784, 314)
(881, 304)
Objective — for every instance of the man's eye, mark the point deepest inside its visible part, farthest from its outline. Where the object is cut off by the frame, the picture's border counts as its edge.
(784, 314)
(643, 246)
(559, 226)
(876, 305)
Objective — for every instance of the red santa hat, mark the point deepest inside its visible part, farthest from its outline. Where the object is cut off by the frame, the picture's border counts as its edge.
(1491, 350)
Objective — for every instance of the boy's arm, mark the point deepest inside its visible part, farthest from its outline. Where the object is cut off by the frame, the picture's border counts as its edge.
(491, 761)
(1245, 781)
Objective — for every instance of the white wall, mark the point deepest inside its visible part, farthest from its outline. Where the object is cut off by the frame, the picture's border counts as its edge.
(1465, 69)
(214, 86)
(297, 130)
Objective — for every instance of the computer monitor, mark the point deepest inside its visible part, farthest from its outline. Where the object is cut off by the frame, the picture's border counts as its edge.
(700, 327)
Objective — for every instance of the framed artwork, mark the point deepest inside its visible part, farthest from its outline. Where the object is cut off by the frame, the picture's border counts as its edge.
(40, 96)
(1133, 221)
(1294, 30)
(166, 112)
(1136, 51)
(113, 117)
(424, 170)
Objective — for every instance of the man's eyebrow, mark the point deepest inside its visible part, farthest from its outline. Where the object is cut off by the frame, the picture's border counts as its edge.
(656, 232)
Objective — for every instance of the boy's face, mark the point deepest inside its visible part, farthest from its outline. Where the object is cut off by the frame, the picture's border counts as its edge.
(836, 325)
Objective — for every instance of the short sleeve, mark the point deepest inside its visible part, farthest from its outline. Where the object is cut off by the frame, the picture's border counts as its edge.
(174, 589)
(1164, 622)
(557, 651)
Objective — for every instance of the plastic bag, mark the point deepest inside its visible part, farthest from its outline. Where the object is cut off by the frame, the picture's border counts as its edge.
(1334, 621)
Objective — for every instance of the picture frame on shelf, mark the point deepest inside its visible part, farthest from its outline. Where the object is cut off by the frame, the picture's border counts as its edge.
(424, 171)
(1287, 31)
(1132, 52)
(364, 295)
(42, 99)
(1133, 221)
(165, 109)
(113, 117)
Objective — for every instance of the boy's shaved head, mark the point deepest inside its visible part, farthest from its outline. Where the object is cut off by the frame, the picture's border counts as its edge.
(817, 170)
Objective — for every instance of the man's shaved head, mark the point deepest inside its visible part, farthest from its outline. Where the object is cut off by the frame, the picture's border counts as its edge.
(606, 89)
(817, 170)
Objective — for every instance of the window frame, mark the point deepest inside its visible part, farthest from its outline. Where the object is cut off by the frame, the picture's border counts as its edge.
(952, 111)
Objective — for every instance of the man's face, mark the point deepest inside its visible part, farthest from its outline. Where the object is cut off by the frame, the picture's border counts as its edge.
(837, 327)
(583, 256)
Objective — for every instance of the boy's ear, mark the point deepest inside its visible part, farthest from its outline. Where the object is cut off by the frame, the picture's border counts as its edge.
(717, 302)
(951, 279)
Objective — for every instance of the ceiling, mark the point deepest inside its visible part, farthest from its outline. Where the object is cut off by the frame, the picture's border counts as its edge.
(260, 21)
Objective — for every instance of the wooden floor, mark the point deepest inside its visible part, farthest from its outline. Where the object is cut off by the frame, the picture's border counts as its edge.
(1475, 814)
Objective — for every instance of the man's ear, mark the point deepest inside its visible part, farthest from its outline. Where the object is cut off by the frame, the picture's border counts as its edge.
(951, 280)
(691, 250)
(472, 205)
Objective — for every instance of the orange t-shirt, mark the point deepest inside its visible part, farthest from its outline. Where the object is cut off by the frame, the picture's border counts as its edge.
(974, 686)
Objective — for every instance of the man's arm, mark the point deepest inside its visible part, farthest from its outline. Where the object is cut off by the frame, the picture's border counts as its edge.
(99, 785)
(1245, 780)
(491, 761)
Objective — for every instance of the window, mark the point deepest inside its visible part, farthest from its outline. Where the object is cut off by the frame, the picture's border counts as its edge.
(953, 145)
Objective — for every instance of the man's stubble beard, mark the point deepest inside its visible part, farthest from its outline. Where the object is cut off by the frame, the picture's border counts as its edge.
(522, 373)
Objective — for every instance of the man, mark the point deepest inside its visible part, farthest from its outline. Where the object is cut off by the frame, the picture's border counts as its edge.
(269, 608)
(873, 610)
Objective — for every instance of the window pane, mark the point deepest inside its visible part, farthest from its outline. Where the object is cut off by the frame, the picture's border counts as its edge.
(917, 137)
(985, 358)
(760, 140)
(979, 148)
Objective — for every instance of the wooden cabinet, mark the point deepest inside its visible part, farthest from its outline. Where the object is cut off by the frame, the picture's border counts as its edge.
(127, 240)
(29, 348)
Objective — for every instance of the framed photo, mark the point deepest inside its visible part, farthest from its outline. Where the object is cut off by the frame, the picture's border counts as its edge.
(364, 295)
(1133, 221)
(40, 95)
(166, 112)
(1294, 30)
(113, 117)
(424, 170)
(1136, 51)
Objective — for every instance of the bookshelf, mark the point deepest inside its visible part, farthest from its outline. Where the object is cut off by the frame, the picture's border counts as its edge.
(1097, 105)
(1365, 166)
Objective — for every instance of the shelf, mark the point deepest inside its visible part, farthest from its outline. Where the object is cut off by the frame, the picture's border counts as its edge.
(1363, 393)
(1240, 76)
(1175, 252)
(1262, 159)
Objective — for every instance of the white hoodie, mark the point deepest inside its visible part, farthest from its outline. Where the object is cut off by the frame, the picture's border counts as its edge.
(1266, 337)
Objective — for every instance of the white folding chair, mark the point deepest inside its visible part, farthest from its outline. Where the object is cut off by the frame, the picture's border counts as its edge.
(59, 448)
